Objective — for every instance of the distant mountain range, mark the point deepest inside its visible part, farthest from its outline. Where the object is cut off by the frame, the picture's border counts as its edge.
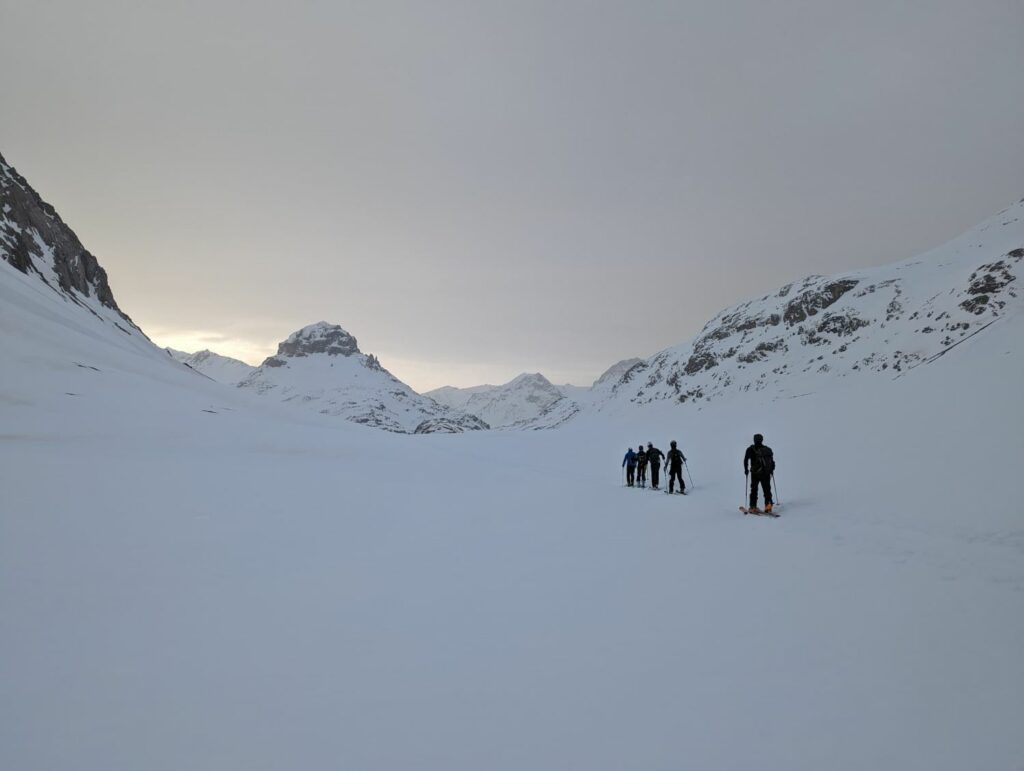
(530, 400)
(803, 337)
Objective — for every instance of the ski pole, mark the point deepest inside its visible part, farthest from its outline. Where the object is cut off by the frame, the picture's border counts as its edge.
(687, 466)
(778, 498)
(746, 485)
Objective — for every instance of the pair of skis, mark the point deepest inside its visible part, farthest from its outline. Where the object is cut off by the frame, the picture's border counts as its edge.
(760, 512)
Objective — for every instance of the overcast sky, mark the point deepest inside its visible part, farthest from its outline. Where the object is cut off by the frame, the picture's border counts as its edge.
(476, 189)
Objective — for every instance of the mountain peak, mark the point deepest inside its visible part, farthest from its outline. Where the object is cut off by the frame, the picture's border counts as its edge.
(322, 337)
(616, 371)
(531, 378)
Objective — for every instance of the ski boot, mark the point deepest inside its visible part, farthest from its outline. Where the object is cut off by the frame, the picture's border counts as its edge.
(768, 508)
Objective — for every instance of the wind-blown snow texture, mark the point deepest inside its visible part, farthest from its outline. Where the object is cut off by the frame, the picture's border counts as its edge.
(192, 576)
(321, 367)
(223, 369)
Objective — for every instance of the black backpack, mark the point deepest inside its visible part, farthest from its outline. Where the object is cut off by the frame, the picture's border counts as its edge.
(762, 460)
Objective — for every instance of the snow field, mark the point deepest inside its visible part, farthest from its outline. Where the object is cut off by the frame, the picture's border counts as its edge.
(260, 588)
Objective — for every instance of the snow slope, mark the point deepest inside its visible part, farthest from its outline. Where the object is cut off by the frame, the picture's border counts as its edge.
(194, 576)
(321, 367)
(223, 369)
(222, 584)
(810, 335)
(615, 372)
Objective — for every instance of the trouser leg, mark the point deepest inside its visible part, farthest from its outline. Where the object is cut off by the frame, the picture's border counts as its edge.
(764, 481)
(630, 472)
(673, 475)
(654, 475)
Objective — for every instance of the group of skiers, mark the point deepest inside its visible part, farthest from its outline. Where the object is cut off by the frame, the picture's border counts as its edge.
(758, 468)
(636, 464)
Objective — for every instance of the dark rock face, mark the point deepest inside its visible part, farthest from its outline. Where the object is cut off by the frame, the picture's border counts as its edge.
(329, 339)
(457, 425)
(989, 280)
(762, 351)
(29, 227)
(841, 324)
(809, 302)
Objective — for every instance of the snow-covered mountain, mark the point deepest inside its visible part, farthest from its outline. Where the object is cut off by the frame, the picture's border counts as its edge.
(223, 369)
(615, 372)
(530, 400)
(883, 320)
(525, 402)
(321, 367)
(35, 241)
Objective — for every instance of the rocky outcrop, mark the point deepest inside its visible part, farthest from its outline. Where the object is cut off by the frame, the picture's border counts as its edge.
(34, 239)
(319, 338)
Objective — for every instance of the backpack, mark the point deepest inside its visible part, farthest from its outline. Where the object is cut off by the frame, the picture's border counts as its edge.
(762, 460)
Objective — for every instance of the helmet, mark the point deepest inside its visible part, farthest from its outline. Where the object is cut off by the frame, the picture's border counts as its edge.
(649, 445)
(672, 443)
(758, 439)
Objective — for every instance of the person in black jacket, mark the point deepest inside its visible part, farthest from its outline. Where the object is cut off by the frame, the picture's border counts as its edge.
(674, 463)
(654, 457)
(759, 463)
(641, 466)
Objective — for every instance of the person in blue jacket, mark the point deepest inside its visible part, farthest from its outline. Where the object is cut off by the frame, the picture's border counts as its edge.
(630, 463)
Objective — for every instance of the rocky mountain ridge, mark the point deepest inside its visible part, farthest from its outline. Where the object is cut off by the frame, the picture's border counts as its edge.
(812, 332)
(35, 241)
(321, 367)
